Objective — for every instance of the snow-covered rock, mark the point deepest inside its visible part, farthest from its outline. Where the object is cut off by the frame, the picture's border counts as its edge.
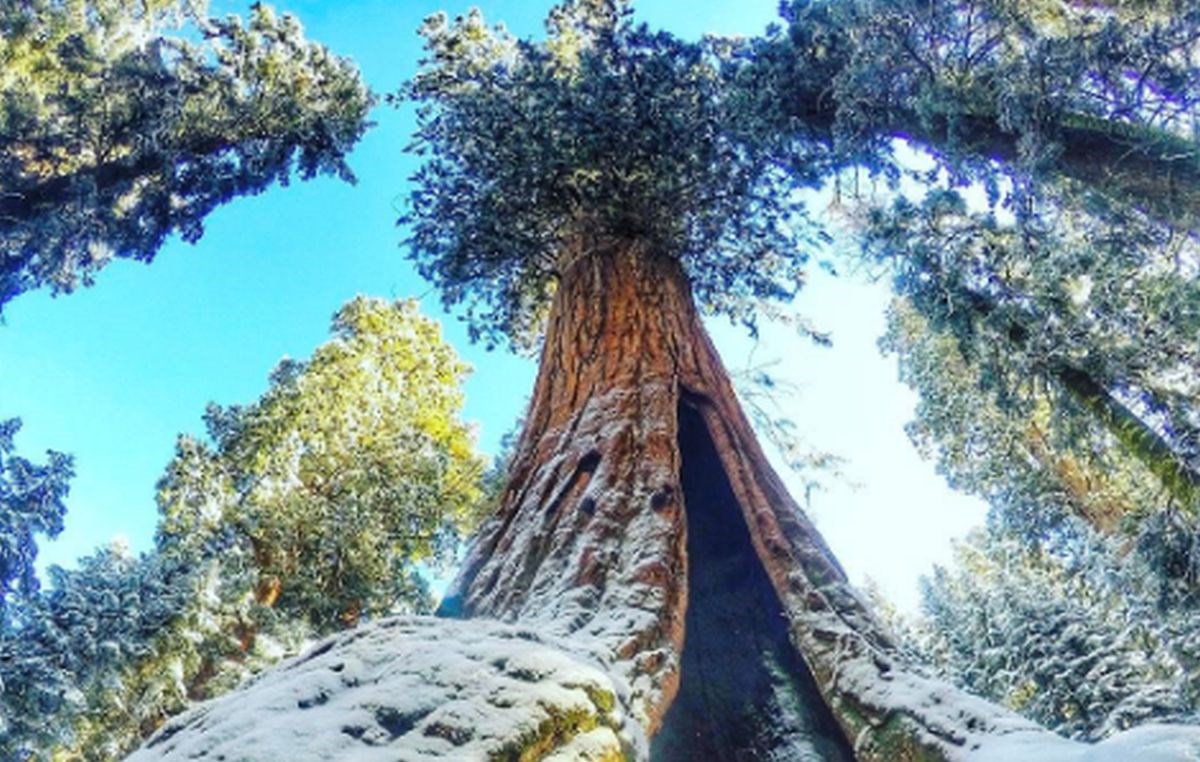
(422, 689)
(415, 688)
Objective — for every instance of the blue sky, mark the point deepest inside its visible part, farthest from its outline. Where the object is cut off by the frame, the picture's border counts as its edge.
(113, 373)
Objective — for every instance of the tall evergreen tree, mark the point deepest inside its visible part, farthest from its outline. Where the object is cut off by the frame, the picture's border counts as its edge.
(303, 513)
(353, 467)
(123, 122)
(1071, 636)
(601, 180)
(65, 662)
(1076, 122)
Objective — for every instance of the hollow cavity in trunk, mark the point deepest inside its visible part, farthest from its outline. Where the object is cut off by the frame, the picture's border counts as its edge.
(745, 694)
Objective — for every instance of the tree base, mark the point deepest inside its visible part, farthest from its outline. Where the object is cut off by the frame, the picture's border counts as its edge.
(420, 689)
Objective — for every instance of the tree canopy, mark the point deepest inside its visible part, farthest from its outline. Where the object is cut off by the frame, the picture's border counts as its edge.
(1049, 308)
(604, 129)
(1055, 94)
(123, 122)
(351, 468)
(1039, 168)
(1041, 238)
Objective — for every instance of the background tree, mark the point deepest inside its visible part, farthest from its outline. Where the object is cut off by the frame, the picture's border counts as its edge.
(31, 503)
(314, 507)
(66, 660)
(1074, 122)
(1072, 636)
(123, 122)
(1019, 441)
(1077, 607)
(120, 124)
(1060, 97)
(1043, 162)
(350, 469)
(1098, 316)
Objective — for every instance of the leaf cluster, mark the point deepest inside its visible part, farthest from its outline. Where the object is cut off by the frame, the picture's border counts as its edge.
(67, 654)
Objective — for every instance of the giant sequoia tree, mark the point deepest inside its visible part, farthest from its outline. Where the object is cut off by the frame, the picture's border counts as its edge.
(606, 180)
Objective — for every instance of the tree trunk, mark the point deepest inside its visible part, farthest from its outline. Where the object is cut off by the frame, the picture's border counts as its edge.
(592, 542)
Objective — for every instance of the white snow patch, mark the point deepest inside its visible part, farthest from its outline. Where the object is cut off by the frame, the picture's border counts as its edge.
(410, 688)
(1147, 743)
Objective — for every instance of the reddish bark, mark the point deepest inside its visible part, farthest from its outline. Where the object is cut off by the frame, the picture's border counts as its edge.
(590, 539)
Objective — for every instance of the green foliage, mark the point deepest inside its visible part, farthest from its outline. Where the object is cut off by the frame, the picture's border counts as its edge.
(31, 503)
(68, 649)
(1078, 606)
(1074, 282)
(604, 129)
(307, 510)
(1113, 299)
(1048, 316)
(352, 467)
(117, 130)
(1016, 441)
(1068, 282)
(1100, 92)
(1072, 637)
(1055, 363)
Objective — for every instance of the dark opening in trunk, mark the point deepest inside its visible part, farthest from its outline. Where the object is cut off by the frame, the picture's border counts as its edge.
(744, 694)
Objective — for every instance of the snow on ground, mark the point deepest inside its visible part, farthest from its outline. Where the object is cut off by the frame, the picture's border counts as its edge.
(975, 730)
(1148, 743)
(419, 689)
(412, 688)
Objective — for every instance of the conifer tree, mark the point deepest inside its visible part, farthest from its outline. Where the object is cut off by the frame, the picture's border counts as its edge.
(300, 515)
(31, 503)
(123, 122)
(600, 183)
(1071, 636)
